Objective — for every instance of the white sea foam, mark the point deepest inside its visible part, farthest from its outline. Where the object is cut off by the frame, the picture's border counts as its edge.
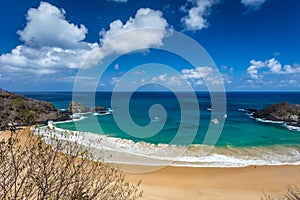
(107, 113)
(291, 127)
(288, 126)
(268, 121)
(117, 150)
(246, 111)
(81, 117)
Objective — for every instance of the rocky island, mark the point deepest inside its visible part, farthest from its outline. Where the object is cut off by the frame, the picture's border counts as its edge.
(101, 110)
(76, 108)
(281, 112)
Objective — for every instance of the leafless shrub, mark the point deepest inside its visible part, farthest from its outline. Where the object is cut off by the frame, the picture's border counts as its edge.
(62, 170)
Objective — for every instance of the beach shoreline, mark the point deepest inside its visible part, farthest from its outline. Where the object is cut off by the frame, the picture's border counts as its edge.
(209, 183)
(126, 151)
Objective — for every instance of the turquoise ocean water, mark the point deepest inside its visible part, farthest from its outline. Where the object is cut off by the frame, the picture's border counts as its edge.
(243, 140)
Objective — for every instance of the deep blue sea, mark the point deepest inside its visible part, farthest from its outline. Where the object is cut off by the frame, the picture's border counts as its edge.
(241, 136)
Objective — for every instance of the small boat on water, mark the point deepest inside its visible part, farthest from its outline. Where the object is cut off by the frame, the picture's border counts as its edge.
(209, 109)
(215, 121)
(156, 119)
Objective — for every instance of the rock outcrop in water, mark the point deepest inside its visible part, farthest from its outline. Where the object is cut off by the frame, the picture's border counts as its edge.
(75, 107)
(288, 113)
(15, 108)
(100, 109)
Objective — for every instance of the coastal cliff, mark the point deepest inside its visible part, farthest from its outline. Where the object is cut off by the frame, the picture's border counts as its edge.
(21, 111)
(285, 112)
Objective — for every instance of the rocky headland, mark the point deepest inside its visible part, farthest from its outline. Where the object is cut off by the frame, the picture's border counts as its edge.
(19, 110)
(283, 112)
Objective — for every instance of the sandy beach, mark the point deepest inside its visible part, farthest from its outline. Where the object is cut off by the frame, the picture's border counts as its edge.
(187, 183)
(216, 183)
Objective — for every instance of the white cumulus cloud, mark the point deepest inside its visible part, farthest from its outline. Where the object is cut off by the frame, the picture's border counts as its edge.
(195, 20)
(51, 44)
(271, 66)
(203, 75)
(146, 29)
(47, 26)
(253, 4)
(47, 60)
(254, 67)
(170, 81)
(197, 73)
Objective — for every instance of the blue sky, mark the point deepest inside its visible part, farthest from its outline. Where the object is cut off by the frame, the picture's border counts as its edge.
(254, 43)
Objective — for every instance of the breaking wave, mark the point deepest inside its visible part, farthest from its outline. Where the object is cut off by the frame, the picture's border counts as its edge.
(124, 151)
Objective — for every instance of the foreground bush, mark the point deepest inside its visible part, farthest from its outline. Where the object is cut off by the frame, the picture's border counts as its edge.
(36, 170)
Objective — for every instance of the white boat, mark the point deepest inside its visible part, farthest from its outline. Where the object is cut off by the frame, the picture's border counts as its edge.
(215, 121)
(209, 109)
(156, 119)
(225, 116)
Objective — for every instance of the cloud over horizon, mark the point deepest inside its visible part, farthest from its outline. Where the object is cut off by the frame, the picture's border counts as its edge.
(272, 66)
(204, 75)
